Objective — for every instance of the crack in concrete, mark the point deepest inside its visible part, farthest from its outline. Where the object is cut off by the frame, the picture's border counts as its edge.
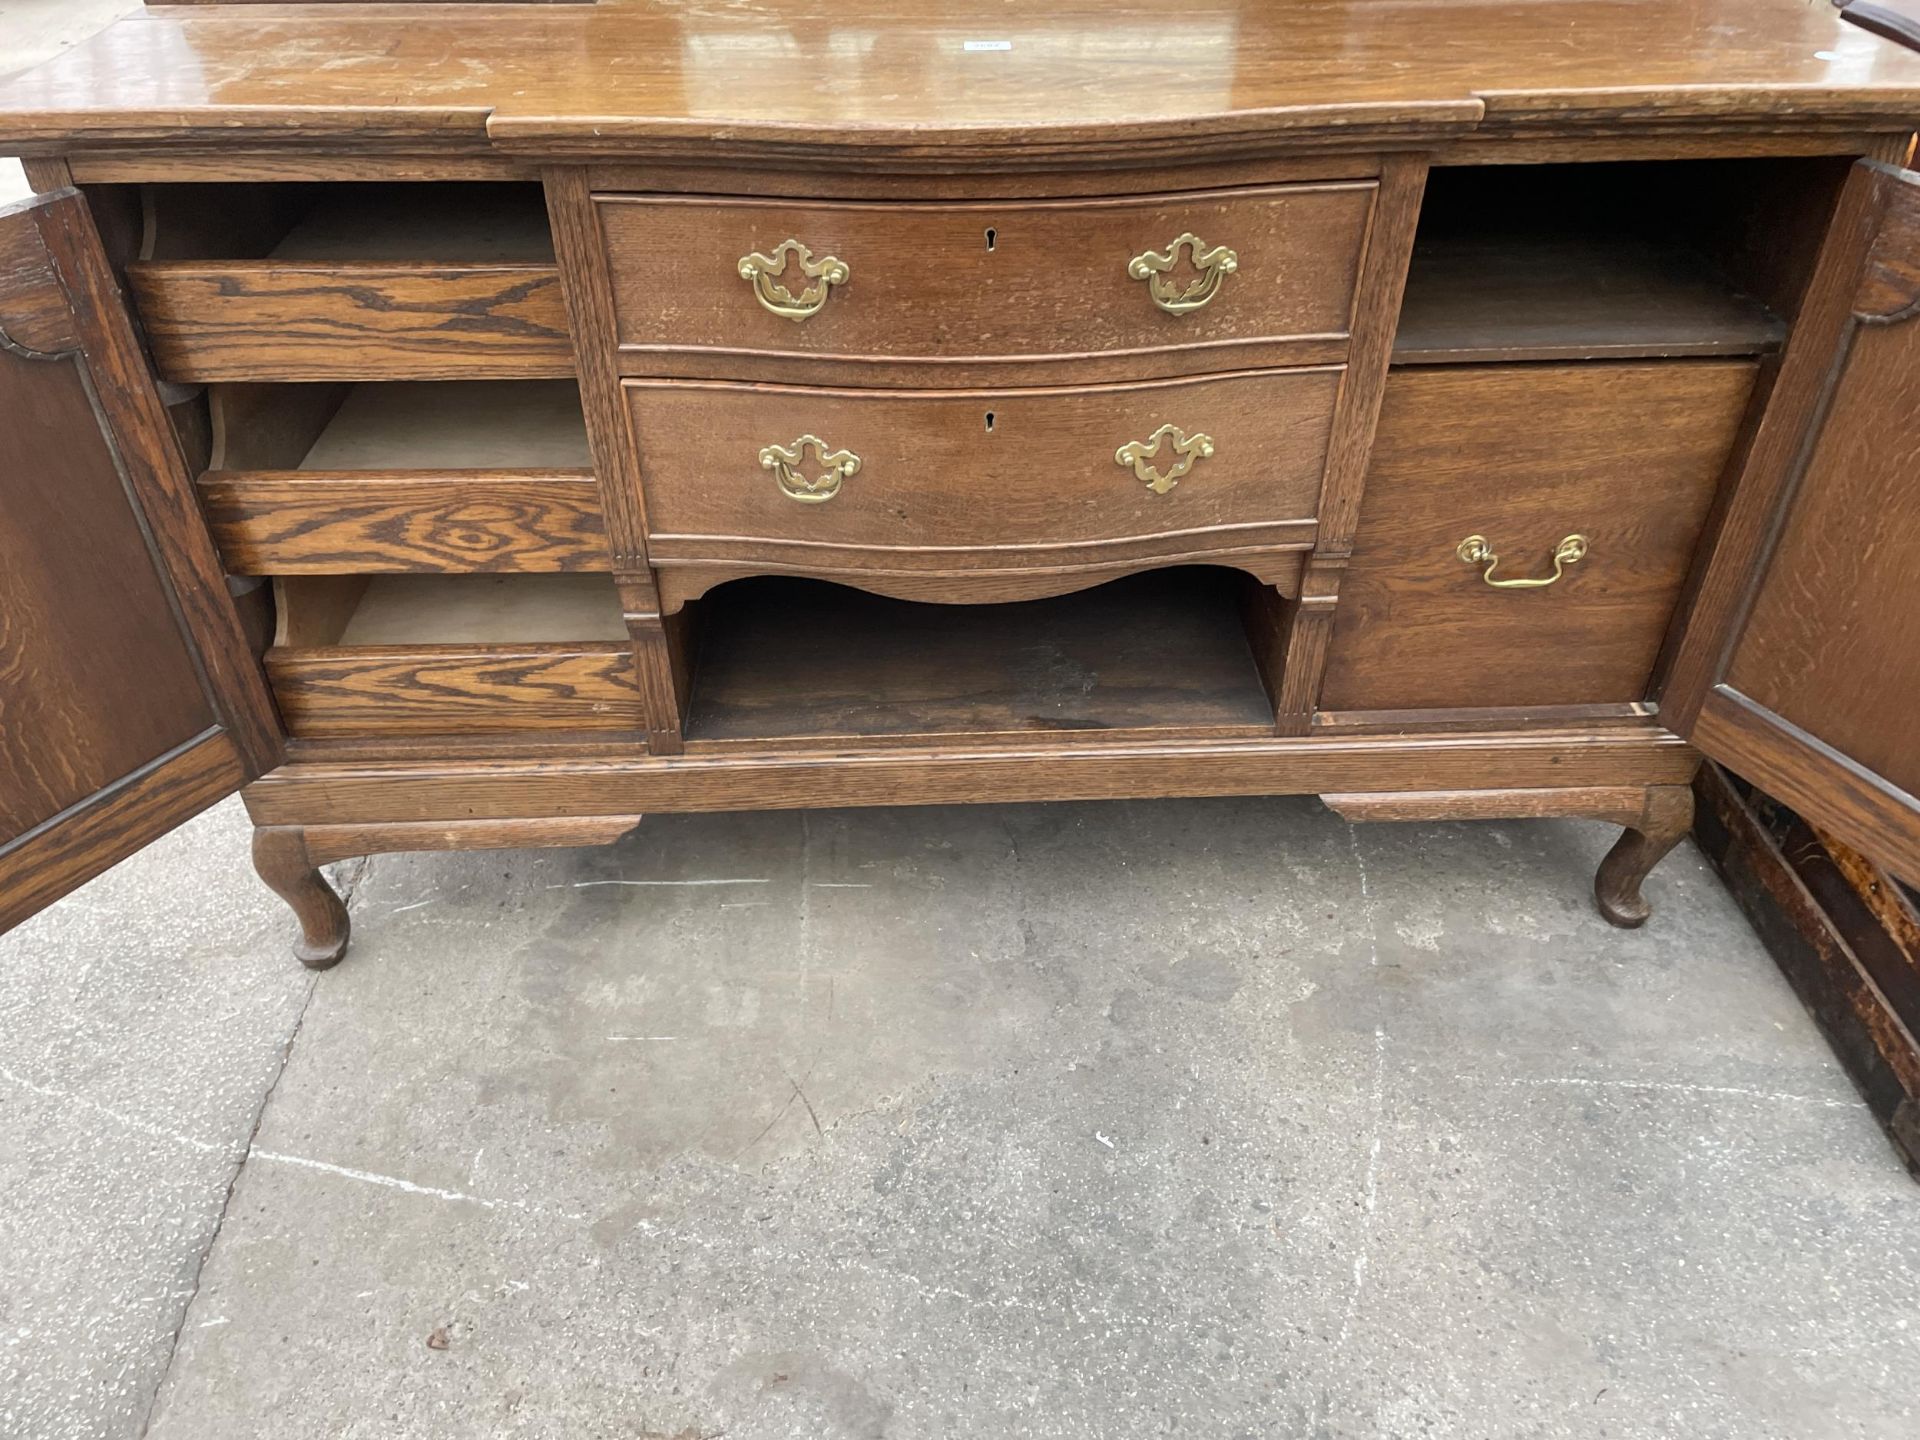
(351, 884)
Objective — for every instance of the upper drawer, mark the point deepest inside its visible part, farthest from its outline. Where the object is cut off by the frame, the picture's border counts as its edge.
(914, 293)
(972, 483)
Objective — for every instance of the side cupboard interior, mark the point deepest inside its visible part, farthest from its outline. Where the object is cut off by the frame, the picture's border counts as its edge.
(494, 466)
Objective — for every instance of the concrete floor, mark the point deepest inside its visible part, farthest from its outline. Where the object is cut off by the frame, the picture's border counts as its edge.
(1209, 1118)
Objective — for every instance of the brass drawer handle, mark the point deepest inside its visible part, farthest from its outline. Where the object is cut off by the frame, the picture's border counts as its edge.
(1478, 550)
(763, 272)
(1214, 266)
(786, 462)
(1135, 454)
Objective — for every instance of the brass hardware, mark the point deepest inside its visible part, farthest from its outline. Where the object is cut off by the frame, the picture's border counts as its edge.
(1135, 452)
(1477, 550)
(786, 461)
(1214, 266)
(822, 275)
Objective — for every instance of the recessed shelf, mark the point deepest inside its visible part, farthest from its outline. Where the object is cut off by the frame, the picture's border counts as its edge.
(502, 610)
(795, 659)
(455, 425)
(446, 224)
(1538, 295)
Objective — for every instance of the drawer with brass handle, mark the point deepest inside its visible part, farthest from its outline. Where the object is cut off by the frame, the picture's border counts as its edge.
(1084, 480)
(1526, 533)
(920, 293)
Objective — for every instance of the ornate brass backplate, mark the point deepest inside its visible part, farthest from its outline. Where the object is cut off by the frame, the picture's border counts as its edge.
(1135, 453)
(787, 462)
(762, 272)
(1478, 550)
(1213, 264)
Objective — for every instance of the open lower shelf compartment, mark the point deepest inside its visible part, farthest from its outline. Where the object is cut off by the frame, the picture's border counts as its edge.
(787, 660)
(398, 655)
(1612, 261)
(452, 476)
(433, 282)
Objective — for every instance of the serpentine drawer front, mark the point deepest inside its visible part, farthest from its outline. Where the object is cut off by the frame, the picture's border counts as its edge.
(981, 481)
(1152, 285)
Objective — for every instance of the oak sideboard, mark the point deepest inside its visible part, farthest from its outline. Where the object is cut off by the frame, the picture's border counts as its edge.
(459, 425)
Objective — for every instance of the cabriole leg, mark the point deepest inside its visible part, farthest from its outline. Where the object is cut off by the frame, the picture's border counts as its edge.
(280, 855)
(1665, 817)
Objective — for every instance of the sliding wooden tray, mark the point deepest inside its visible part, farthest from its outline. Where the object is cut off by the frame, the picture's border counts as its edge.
(452, 655)
(376, 283)
(450, 477)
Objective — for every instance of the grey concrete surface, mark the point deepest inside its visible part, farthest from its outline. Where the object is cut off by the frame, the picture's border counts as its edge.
(1197, 1118)
(1212, 1118)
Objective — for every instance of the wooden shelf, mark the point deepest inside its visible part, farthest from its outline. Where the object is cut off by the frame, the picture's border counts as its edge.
(455, 425)
(1546, 296)
(802, 659)
(485, 610)
(438, 224)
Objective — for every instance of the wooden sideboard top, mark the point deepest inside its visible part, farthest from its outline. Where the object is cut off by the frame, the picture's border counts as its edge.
(892, 81)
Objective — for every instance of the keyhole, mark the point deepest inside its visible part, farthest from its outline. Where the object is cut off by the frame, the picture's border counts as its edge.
(992, 235)
(989, 421)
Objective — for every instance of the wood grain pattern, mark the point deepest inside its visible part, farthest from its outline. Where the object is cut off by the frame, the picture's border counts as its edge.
(1801, 640)
(454, 689)
(39, 867)
(304, 522)
(930, 296)
(727, 84)
(940, 491)
(1055, 767)
(1626, 454)
(127, 697)
(275, 320)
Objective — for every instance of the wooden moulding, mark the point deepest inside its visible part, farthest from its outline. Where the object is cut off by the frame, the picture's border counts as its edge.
(334, 787)
(451, 655)
(454, 477)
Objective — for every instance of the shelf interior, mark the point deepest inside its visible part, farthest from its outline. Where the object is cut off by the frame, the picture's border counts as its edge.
(499, 610)
(1639, 260)
(789, 659)
(455, 425)
(1545, 296)
(440, 223)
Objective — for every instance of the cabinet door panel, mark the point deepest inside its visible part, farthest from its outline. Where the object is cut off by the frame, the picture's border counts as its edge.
(1801, 667)
(128, 701)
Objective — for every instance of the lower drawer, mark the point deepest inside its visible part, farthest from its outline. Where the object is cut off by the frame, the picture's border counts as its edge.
(1624, 455)
(978, 483)
(451, 655)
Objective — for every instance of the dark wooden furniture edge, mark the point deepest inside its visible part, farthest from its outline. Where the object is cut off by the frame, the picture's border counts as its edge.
(1824, 913)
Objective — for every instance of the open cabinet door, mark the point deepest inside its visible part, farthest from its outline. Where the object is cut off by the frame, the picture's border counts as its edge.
(1800, 667)
(128, 698)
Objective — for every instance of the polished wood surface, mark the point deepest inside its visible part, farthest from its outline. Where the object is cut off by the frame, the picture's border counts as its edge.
(1083, 80)
(986, 481)
(935, 290)
(1799, 671)
(127, 699)
(1626, 454)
